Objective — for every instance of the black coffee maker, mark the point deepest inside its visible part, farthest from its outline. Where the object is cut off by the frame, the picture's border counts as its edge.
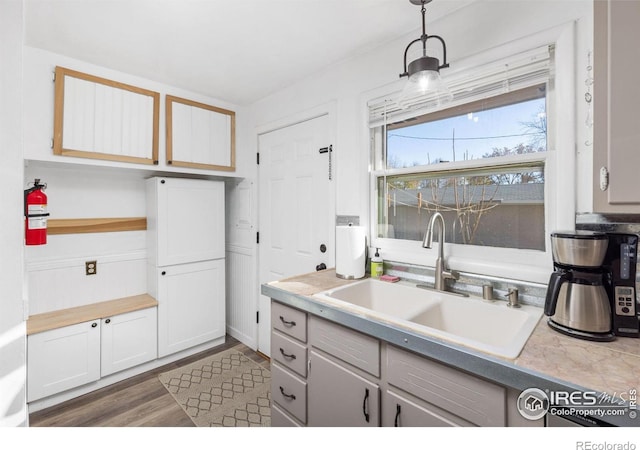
(591, 292)
(620, 264)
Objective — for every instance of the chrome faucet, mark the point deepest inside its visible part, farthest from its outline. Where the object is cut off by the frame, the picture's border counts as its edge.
(441, 274)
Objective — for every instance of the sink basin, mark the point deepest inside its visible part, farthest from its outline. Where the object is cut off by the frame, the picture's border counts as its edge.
(396, 300)
(488, 326)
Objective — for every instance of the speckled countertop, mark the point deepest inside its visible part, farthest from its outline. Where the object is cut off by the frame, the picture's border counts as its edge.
(548, 356)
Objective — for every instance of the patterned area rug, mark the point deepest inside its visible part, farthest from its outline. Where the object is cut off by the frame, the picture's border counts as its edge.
(224, 390)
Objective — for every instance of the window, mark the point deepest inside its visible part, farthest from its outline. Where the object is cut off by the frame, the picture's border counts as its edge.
(498, 202)
(484, 163)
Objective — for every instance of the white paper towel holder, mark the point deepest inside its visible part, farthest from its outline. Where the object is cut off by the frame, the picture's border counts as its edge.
(350, 260)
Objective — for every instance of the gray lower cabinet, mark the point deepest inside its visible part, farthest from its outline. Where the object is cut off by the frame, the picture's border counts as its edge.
(325, 374)
(288, 366)
(467, 397)
(338, 397)
(399, 410)
(344, 376)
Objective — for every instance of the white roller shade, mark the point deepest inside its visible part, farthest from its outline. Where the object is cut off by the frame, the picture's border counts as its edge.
(470, 84)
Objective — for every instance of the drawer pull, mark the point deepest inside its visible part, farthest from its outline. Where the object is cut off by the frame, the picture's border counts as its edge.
(289, 324)
(365, 405)
(396, 422)
(285, 355)
(289, 396)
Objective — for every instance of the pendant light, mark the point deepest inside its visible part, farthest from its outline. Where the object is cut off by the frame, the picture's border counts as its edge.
(423, 74)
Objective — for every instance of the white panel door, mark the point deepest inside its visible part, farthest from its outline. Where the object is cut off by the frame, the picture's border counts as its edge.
(191, 305)
(62, 359)
(128, 340)
(297, 207)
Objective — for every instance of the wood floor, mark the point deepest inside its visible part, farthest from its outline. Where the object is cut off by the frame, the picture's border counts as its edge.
(140, 401)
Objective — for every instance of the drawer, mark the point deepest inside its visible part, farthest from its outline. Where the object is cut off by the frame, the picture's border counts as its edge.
(468, 397)
(350, 346)
(289, 392)
(290, 321)
(280, 419)
(289, 353)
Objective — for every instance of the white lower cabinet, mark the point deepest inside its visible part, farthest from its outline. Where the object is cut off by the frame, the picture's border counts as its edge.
(128, 340)
(71, 356)
(191, 304)
(62, 359)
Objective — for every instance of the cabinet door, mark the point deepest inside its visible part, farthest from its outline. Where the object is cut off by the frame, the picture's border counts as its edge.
(616, 99)
(338, 397)
(62, 359)
(128, 340)
(103, 119)
(399, 411)
(185, 220)
(191, 305)
(200, 136)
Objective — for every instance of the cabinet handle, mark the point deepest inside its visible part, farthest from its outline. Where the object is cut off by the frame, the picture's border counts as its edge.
(365, 405)
(290, 396)
(163, 273)
(289, 324)
(287, 356)
(93, 325)
(107, 321)
(396, 422)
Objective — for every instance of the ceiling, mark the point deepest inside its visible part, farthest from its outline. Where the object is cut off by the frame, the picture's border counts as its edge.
(238, 51)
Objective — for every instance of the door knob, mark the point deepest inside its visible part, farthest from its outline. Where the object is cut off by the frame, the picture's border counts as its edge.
(323, 248)
(320, 267)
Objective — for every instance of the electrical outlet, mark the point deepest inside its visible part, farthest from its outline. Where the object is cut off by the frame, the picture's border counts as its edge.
(91, 267)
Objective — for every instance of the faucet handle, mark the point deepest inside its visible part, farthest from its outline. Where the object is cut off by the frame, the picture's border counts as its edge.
(451, 274)
(513, 298)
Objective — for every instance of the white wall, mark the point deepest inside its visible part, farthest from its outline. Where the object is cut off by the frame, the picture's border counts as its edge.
(476, 28)
(13, 408)
(81, 188)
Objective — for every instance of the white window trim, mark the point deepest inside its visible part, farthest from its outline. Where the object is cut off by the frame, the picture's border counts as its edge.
(527, 265)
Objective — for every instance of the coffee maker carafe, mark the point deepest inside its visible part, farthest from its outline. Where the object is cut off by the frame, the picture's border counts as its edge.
(577, 301)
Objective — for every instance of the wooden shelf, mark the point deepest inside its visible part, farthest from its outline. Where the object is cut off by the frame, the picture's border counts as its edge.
(102, 225)
(71, 316)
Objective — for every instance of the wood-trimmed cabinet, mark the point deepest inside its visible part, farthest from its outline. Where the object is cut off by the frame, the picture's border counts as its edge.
(616, 152)
(98, 118)
(200, 136)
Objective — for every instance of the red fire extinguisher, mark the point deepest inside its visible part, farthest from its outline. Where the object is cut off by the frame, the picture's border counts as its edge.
(35, 213)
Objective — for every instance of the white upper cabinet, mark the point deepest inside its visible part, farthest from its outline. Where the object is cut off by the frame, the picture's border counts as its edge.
(199, 136)
(103, 119)
(185, 220)
(616, 98)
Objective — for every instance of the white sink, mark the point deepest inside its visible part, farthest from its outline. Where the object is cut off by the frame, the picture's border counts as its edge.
(397, 300)
(488, 326)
